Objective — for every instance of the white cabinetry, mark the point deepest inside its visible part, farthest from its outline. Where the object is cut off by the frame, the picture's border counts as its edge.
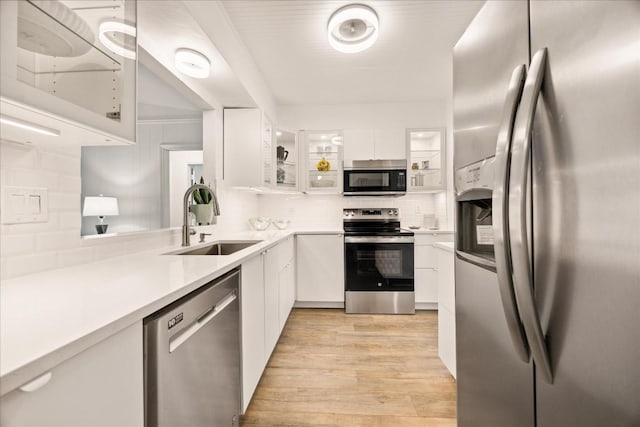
(101, 386)
(426, 158)
(54, 65)
(359, 144)
(252, 326)
(390, 144)
(321, 161)
(249, 154)
(268, 293)
(320, 265)
(446, 309)
(364, 144)
(425, 273)
(278, 289)
(271, 302)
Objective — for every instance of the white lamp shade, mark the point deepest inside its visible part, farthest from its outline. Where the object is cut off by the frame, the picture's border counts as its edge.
(100, 206)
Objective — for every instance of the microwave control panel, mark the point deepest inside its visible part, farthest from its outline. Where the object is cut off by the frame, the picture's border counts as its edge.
(478, 175)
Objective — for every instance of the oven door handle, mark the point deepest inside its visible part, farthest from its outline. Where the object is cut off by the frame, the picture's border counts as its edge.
(379, 239)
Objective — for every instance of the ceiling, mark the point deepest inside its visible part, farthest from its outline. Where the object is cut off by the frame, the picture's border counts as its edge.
(411, 61)
(157, 100)
(165, 26)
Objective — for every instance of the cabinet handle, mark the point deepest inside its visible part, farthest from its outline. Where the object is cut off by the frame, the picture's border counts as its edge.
(38, 383)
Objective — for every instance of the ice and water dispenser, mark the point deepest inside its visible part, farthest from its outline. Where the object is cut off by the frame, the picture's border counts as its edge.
(474, 190)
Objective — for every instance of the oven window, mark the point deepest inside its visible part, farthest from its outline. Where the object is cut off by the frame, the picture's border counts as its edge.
(377, 267)
(386, 262)
(368, 179)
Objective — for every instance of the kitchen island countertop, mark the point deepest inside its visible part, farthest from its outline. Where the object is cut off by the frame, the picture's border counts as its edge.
(48, 317)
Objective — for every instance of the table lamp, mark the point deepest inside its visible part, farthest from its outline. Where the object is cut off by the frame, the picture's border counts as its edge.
(100, 206)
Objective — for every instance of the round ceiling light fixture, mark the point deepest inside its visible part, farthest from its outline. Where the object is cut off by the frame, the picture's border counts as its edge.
(192, 63)
(116, 27)
(353, 28)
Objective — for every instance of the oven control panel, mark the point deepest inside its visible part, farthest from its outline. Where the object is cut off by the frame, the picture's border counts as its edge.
(371, 213)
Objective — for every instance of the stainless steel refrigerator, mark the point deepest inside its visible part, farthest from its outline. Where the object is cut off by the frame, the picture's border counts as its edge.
(547, 159)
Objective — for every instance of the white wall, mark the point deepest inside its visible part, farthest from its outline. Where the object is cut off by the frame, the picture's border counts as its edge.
(29, 248)
(363, 116)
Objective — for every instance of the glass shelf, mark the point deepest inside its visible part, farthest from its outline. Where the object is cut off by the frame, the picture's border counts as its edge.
(321, 145)
(425, 147)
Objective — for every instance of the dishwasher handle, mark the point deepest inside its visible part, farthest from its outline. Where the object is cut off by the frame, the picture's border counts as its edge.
(182, 337)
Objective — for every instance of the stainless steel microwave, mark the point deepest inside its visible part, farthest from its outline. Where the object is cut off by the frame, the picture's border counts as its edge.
(375, 177)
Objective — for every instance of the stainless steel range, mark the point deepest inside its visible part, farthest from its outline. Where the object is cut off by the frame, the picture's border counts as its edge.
(378, 262)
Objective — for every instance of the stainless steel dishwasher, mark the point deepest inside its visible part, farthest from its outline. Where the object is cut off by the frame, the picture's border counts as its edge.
(192, 358)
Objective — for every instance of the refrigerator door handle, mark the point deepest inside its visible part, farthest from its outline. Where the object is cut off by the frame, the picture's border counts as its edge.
(500, 214)
(520, 257)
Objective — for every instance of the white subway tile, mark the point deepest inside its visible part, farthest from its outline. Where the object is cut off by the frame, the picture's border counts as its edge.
(34, 227)
(62, 164)
(69, 150)
(76, 256)
(69, 184)
(31, 178)
(69, 220)
(57, 240)
(18, 156)
(64, 202)
(16, 244)
(27, 264)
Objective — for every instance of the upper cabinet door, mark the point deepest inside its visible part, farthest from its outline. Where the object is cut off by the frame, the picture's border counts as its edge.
(426, 161)
(359, 144)
(366, 144)
(390, 144)
(67, 60)
(286, 160)
(322, 161)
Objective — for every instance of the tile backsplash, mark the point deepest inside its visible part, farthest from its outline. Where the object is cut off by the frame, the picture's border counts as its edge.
(325, 211)
(35, 247)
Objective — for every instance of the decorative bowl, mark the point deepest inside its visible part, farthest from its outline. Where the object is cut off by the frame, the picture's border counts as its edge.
(259, 223)
(281, 224)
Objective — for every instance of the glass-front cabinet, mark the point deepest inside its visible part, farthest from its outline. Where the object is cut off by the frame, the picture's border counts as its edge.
(286, 160)
(322, 161)
(75, 59)
(426, 159)
(266, 145)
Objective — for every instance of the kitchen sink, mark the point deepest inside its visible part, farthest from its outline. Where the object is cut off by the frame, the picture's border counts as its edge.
(218, 248)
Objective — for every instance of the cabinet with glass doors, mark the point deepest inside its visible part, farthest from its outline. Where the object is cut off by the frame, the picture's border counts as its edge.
(426, 159)
(322, 161)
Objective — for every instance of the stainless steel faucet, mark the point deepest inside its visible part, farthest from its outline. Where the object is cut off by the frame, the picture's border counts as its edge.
(186, 232)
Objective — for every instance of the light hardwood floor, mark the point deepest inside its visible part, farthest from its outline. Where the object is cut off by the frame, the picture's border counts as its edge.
(334, 369)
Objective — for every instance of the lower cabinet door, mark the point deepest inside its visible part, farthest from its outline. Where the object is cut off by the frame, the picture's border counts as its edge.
(271, 301)
(286, 293)
(252, 320)
(320, 265)
(426, 285)
(99, 387)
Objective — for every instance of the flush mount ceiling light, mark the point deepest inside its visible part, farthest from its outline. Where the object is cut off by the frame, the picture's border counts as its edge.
(116, 47)
(353, 28)
(192, 63)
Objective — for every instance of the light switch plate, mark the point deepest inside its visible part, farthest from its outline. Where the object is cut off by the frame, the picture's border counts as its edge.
(22, 205)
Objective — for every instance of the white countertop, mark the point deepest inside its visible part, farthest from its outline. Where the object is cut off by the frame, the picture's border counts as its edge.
(447, 246)
(48, 317)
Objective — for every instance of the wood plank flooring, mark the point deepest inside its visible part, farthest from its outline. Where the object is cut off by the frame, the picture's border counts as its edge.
(334, 369)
